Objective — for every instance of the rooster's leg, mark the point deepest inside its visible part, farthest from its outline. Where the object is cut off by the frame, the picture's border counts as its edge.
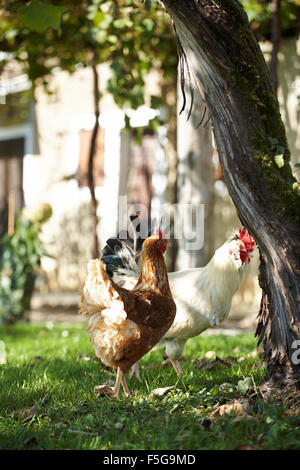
(135, 371)
(176, 366)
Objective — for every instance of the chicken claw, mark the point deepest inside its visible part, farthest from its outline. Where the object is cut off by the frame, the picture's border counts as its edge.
(102, 390)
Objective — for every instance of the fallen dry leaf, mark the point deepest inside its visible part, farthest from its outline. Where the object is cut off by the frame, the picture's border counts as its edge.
(237, 407)
(203, 364)
(103, 390)
(227, 387)
(119, 425)
(27, 413)
(159, 392)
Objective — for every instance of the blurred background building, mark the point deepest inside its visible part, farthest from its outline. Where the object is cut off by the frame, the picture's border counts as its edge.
(44, 148)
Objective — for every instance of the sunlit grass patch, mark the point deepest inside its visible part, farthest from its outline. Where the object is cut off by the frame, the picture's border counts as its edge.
(47, 399)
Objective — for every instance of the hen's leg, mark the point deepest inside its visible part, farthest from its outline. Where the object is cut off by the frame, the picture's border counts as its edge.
(116, 389)
(135, 371)
(124, 385)
(107, 390)
(176, 366)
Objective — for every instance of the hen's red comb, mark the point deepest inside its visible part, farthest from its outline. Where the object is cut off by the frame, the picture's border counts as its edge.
(160, 233)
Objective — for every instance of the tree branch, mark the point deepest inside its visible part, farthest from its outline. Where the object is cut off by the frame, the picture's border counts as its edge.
(91, 184)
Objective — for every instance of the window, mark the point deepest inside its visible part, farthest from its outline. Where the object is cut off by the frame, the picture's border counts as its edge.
(11, 180)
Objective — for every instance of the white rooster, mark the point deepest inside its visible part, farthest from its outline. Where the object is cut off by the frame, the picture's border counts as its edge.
(202, 295)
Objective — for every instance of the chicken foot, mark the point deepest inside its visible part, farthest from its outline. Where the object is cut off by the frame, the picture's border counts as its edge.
(135, 369)
(176, 366)
(114, 392)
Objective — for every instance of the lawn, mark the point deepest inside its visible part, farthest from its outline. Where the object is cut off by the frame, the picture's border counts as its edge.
(47, 400)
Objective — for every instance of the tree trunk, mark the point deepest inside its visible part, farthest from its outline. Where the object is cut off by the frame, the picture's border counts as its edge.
(94, 204)
(195, 178)
(225, 59)
(169, 92)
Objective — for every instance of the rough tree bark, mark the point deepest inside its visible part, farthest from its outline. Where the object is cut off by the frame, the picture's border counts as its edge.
(195, 177)
(94, 204)
(169, 94)
(224, 57)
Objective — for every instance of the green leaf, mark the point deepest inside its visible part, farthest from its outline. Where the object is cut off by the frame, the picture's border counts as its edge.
(245, 384)
(249, 382)
(38, 16)
(127, 122)
(279, 149)
(156, 101)
(120, 23)
(242, 386)
(214, 390)
(279, 160)
(296, 188)
(112, 38)
(148, 24)
(99, 18)
(272, 140)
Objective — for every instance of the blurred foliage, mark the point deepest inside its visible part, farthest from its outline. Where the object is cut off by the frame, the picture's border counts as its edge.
(260, 14)
(133, 37)
(21, 255)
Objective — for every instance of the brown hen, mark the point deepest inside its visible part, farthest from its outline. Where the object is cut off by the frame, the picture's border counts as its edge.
(124, 325)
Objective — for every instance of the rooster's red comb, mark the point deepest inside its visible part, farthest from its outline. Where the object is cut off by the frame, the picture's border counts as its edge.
(247, 239)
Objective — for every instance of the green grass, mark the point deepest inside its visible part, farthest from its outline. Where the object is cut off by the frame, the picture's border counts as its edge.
(47, 399)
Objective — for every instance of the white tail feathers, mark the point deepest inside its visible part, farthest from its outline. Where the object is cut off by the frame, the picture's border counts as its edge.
(98, 289)
(108, 325)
